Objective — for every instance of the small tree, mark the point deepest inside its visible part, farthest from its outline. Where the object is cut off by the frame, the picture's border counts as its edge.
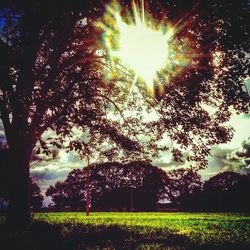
(36, 197)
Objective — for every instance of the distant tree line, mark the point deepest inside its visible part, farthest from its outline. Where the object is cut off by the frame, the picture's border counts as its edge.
(139, 186)
(132, 186)
(227, 191)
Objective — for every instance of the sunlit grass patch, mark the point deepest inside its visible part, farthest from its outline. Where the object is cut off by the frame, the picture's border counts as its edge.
(173, 231)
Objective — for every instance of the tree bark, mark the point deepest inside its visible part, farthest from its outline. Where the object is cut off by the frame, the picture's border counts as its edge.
(131, 200)
(19, 216)
(88, 194)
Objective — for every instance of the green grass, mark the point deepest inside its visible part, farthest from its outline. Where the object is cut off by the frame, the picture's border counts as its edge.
(140, 231)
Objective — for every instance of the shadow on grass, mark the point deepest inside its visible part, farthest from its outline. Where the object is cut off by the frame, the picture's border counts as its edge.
(67, 236)
(44, 236)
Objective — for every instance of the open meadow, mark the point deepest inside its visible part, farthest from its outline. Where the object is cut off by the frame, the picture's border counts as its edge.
(104, 230)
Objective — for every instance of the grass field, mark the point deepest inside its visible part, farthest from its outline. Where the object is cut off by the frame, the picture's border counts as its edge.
(172, 231)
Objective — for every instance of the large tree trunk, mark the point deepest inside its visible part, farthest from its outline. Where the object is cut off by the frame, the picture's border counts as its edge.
(19, 216)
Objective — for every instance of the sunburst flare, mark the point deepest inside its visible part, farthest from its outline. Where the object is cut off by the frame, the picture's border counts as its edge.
(141, 45)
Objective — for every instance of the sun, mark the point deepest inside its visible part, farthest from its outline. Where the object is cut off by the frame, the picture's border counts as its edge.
(142, 48)
(141, 44)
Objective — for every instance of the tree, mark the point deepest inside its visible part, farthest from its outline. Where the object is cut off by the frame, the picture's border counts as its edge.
(134, 186)
(50, 79)
(36, 197)
(69, 193)
(181, 185)
(58, 195)
(223, 192)
(226, 192)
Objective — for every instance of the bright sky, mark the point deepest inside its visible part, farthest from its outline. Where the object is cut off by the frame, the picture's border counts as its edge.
(241, 124)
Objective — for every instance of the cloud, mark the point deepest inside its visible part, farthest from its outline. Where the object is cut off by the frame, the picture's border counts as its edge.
(1, 126)
(220, 160)
(227, 159)
(239, 160)
(166, 162)
(248, 85)
(216, 161)
(47, 171)
(44, 173)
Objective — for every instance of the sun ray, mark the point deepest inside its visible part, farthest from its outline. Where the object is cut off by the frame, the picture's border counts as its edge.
(142, 45)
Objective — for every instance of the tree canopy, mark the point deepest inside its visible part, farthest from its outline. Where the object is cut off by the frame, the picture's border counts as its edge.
(112, 185)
